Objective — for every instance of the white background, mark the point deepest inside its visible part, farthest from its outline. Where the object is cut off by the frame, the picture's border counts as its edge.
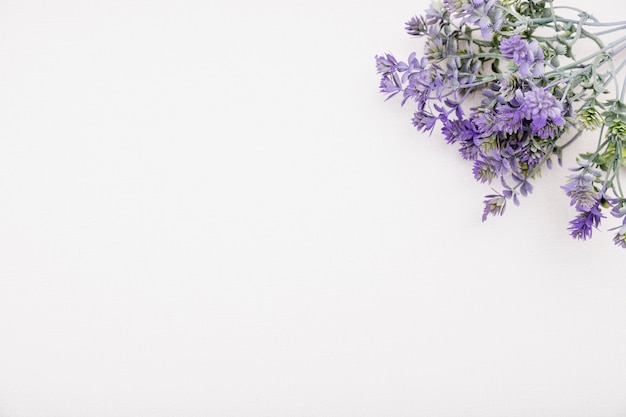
(206, 209)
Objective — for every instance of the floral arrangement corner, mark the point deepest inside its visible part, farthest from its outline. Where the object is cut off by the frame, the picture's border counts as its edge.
(504, 81)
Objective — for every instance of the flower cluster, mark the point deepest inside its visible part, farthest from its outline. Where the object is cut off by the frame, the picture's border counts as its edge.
(501, 81)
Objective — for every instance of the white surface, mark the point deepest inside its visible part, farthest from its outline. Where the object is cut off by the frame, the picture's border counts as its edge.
(206, 209)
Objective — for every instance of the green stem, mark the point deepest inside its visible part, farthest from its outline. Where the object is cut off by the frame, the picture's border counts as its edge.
(607, 31)
(477, 55)
(595, 54)
(619, 183)
(576, 10)
(621, 97)
(613, 73)
(542, 20)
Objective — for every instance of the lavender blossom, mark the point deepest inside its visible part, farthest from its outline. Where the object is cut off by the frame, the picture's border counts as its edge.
(580, 188)
(494, 205)
(619, 211)
(509, 119)
(496, 163)
(458, 130)
(527, 55)
(619, 208)
(386, 64)
(435, 49)
(581, 227)
(455, 7)
(509, 85)
(414, 67)
(423, 120)
(620, 237)
(484, 14)
(541, 108)
(416, 26)
(390, 84)
(484, 118)
(417, 90)
(435, 13)
(484, 171)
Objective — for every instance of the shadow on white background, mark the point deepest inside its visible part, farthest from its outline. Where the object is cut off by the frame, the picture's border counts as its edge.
(206, 209)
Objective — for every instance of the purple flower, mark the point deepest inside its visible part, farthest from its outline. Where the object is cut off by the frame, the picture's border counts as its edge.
(620, 237)
(619, 208)
(531, 154)
(458, 131)
(484, 14)
(549, 130)
(454, 6)
(416, 26)
(527, 55)
(460, 72)
(583, 195)
(424, 120)
(469, 150)
(619, 211)
(484, 171)
(509, 119)
(386, 64)
(435, 13)
(421, 82)
(494, 205)
(484, 118)
(581, 227)
(390, 84)
(508, 86)
(493, 164)
(540, 106)
(435, 49)
(416, 90)
(411, 67)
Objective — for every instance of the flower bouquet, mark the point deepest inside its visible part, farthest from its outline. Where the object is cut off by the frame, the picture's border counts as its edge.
(506, 82)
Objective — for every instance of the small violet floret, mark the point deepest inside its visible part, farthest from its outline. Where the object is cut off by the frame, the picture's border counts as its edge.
(527, 55)
(541, 107)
